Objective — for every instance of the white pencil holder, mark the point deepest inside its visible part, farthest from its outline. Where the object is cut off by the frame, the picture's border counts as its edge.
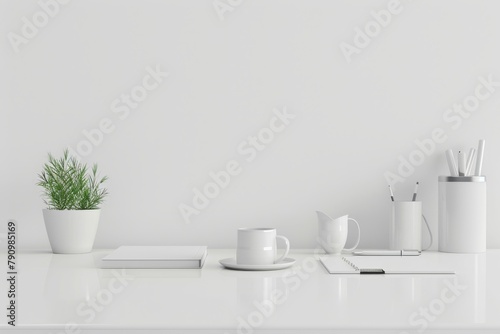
(462, 214)
(406, 226)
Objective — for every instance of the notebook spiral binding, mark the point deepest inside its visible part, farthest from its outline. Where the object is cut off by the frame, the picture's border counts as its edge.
(350, 263)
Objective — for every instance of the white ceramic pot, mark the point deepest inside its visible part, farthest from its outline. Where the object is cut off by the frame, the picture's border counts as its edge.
(71, 231)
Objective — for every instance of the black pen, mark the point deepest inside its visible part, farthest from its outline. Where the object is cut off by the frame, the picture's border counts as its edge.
(415, 192)
(392, 195)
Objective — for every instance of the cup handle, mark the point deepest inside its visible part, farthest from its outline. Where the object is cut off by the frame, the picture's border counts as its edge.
(430, 233)
(359, 237)
(287, 248)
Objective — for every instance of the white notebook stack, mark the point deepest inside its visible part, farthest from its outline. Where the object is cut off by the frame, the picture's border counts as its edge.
(156, 257)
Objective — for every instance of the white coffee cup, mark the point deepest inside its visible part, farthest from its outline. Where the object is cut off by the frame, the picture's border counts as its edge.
(332, 233)
(258, 246)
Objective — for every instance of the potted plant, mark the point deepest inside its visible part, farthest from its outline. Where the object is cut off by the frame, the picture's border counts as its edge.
(73, 194)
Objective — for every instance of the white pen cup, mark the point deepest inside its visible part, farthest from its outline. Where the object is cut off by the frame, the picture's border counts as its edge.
(406, 225)
(462, 214)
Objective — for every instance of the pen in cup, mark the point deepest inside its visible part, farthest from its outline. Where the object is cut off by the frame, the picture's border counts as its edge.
(470, 161)
(451, 163)
(461, 164)
(415, 192)
(480, 156)
(392, 194)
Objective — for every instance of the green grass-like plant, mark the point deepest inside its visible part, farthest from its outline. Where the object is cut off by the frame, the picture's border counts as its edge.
(70, 185)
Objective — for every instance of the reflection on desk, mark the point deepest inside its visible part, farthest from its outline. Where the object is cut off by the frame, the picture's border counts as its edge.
(56, 290)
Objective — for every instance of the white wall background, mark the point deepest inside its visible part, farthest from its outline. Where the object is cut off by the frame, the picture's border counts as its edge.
(353, 120)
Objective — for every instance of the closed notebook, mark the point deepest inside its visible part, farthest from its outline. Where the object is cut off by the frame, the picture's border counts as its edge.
(383, 265)
(156, 257)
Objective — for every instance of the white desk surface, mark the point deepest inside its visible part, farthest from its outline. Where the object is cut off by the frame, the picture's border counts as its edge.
(56, 292)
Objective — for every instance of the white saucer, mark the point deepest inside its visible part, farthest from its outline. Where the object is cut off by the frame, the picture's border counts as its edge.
(230, 263)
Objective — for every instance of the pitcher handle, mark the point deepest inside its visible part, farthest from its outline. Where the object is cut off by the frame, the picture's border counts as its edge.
(357, 241)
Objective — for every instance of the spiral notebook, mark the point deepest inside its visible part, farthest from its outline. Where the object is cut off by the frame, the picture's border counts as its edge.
(383, 265)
